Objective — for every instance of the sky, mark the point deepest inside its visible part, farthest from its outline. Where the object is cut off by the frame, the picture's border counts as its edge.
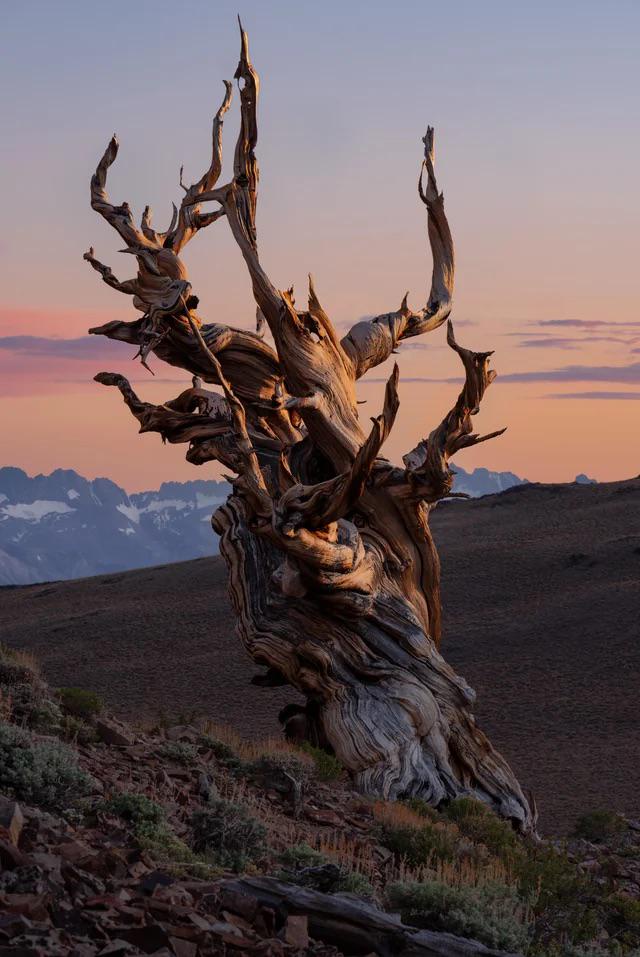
(537, 138)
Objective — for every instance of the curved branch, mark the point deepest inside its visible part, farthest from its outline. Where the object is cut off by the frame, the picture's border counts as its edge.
(120, 217)
(370, 342)
(190, 219)
(427, 464)
(198, 417)
(130, 286)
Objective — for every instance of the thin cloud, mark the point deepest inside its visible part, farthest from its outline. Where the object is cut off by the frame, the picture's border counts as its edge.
(594, 395)
(629, 374)
(587, 323)
(542, 341)
(84, 347)
(549, 343)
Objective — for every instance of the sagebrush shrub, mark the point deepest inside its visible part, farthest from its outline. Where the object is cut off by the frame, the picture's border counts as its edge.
(419, 845)
(80, 703)
(481, 825)
(328, 768)
(41, 772)
(304, 865)
(599, 826)
(179, 751)
(228, 835)
(490, 913)
(136, 809)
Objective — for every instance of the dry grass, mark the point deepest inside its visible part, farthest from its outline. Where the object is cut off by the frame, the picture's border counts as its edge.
(251, 750)
(24, 659)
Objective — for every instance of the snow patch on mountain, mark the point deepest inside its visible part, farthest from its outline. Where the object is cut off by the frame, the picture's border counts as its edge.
(34, 511)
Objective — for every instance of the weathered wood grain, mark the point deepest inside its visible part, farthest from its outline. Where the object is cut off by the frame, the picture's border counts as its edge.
(333, 573)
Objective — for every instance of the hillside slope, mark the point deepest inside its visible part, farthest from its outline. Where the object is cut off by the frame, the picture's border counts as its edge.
(541, 590)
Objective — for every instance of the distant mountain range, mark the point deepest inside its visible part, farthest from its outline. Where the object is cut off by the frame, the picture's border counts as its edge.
(63, 526)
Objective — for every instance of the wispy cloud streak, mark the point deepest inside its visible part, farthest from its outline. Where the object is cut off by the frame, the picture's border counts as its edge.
(84, 347)
(594, 395)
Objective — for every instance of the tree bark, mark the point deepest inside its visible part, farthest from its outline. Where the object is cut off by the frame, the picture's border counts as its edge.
(334, 576)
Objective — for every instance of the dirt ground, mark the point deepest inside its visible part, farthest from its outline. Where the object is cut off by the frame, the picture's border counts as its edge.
(541, 593)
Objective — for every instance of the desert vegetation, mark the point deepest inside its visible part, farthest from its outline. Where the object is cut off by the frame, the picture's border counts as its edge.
(191, 809)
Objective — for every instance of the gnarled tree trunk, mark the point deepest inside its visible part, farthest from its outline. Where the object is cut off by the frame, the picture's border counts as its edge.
(333, 572)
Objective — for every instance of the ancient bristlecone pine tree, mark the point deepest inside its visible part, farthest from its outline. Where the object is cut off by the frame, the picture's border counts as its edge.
(334, 576)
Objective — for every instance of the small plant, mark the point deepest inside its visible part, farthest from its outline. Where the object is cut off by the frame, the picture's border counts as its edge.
(136, 809)
(180, 752)
(154, 834)
(328, 768)
(479, 823)
(599, 826)
(227, 835)
(80, 703)
(25, 696)
(490, 913)
(39, 772)
(304, 865)
(416, 840)
(76, 730)
(223, 752)
(17, 667)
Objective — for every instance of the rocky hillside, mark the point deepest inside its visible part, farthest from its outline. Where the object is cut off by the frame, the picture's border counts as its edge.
(186, 841)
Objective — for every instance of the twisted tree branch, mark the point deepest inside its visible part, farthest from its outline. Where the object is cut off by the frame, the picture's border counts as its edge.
(370, 342)
(428, 463)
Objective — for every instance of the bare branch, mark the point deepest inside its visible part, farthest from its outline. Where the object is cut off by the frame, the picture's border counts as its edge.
(427, 465)
(120, 217)
(370, 342)
(190, 219)
(130, 286)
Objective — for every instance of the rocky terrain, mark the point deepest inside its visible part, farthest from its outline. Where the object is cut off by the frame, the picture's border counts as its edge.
(547, 635)
(62, 526)
(188, 841)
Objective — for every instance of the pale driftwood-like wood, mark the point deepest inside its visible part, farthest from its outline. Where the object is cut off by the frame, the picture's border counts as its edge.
(334, 576)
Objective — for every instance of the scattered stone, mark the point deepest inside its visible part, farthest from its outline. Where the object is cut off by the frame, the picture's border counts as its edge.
(296, 931)
(11, 820)
(113, 732)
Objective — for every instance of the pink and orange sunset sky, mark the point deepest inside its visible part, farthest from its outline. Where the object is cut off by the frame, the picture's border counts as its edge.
(536, 109)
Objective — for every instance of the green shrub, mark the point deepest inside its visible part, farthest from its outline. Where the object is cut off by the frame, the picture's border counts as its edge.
(136, 809)
(490, 913)
(223, 753)
(25, 693)
(328, 768)
(419, 845)
(561, 898)
(304, 865)
(599, 826)
(227, 835)
(276, 770)
(179, 752)
(301, 855)
(482, 826)
(76, 730)
(80, 703)
(421, 807)
(154, 834)
(39, 772)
